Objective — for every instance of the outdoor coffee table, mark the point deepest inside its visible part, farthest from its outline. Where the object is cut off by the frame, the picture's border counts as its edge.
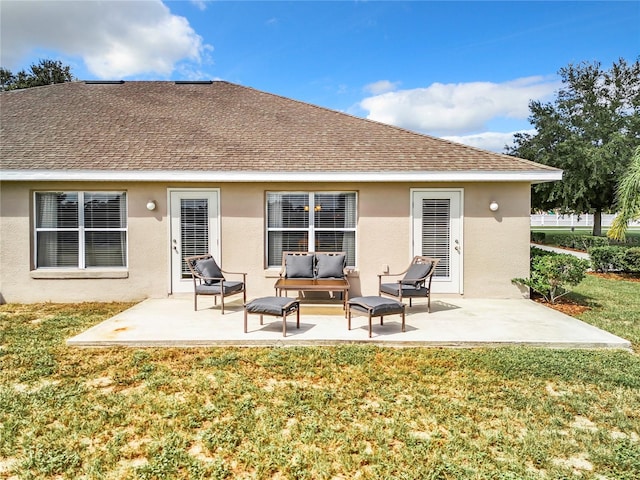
(314, 285)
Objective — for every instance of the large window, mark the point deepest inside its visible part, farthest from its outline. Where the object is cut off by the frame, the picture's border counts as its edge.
(81, 229)
(315, 222)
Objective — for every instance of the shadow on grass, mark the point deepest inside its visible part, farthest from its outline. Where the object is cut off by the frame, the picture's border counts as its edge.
(583, 300)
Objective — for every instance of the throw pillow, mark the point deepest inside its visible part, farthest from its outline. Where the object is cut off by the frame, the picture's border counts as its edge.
(299, 266)
(209, 269)
(331, 266)
(416, 273)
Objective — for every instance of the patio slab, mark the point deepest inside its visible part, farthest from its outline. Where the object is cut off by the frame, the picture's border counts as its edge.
(453, 322)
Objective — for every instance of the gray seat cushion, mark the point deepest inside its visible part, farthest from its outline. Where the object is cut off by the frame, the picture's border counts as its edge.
(271, 305)
(215, 288)
(299, 266)
(376, 305)
(330, 266)
(407, 290)
(209, 269)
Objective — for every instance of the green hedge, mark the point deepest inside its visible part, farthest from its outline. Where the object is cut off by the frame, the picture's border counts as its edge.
(538, 237)
(579, 241)
(615, 259)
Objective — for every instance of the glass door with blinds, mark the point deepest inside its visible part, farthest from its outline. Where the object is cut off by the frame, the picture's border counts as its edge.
(194, 231)
(437, 232)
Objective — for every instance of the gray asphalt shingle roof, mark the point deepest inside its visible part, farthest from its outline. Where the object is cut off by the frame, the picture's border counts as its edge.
(147, 126)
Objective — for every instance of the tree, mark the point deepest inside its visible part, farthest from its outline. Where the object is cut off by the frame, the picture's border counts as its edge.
(627, 199)
(589, 131)
(45, 72)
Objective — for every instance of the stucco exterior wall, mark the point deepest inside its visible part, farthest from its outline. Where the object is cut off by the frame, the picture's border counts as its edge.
(147, 249)
(495, 245)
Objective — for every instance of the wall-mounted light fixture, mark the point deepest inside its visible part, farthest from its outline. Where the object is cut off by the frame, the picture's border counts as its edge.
(151, 205)
(493, 206)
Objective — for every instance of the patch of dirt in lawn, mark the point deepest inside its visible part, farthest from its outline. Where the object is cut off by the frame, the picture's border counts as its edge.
(629, 277)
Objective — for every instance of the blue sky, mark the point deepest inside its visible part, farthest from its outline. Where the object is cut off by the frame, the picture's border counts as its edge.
(460, 70)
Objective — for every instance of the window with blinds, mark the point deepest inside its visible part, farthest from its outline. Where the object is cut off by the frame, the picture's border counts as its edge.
(308, 221)
(80, 229)
(436, 233)
(194, 229)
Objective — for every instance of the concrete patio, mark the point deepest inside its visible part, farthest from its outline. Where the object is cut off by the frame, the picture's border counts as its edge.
(453, 322)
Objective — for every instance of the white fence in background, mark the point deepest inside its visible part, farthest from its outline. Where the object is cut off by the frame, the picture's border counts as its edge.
(572, 220)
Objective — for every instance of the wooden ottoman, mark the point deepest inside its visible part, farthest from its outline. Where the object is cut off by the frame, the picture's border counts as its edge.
(375, 306)
(275, 307)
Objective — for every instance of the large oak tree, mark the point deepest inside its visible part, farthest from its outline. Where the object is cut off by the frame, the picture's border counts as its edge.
(590, 131)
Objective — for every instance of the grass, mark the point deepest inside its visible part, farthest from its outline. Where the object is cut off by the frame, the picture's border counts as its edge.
(330, 412)
(615, 306)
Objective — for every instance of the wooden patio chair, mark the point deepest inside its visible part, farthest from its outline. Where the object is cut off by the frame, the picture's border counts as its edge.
(416, 281)
(209, 279)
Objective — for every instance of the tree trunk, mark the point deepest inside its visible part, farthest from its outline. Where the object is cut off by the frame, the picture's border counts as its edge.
(597, 224)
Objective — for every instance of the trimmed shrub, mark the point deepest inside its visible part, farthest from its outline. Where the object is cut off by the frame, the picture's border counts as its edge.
(538, 237)
(577, 242)
(552, 273)
(631, 261)
(607, 259)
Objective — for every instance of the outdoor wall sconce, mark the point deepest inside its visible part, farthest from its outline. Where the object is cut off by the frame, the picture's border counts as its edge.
(151, 205)
(493, 206)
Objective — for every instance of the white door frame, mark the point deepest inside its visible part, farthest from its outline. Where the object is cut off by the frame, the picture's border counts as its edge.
(454, 283)
(174, 195)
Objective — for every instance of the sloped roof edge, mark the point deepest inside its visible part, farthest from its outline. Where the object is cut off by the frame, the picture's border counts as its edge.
(533, 176)
(160, 126)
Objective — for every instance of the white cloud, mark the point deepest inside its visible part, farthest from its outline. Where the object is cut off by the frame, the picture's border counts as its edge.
(200, 4)
(381, 86)
(493, 141)
(446, 109)
(114, 39)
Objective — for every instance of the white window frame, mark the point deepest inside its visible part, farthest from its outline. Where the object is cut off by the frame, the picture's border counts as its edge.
(311, 229)
(81, 229)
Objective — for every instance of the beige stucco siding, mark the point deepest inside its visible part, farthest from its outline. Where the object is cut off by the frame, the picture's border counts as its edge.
(147, 249)
(495, 246)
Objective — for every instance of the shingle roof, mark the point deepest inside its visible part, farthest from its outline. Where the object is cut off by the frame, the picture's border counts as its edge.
(217, 127)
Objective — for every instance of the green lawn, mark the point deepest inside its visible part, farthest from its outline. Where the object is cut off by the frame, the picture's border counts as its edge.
(343, 412)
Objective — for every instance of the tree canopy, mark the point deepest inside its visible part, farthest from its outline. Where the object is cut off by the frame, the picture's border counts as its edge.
(590, 131)
(45, 72)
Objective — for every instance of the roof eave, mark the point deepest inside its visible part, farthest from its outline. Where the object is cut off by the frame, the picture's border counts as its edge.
(533, 176)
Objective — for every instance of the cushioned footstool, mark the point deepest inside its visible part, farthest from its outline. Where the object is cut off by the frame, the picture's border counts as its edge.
(375, 307)
(274, 306)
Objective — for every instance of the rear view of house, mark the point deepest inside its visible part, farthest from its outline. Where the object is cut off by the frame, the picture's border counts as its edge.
(105, 187)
